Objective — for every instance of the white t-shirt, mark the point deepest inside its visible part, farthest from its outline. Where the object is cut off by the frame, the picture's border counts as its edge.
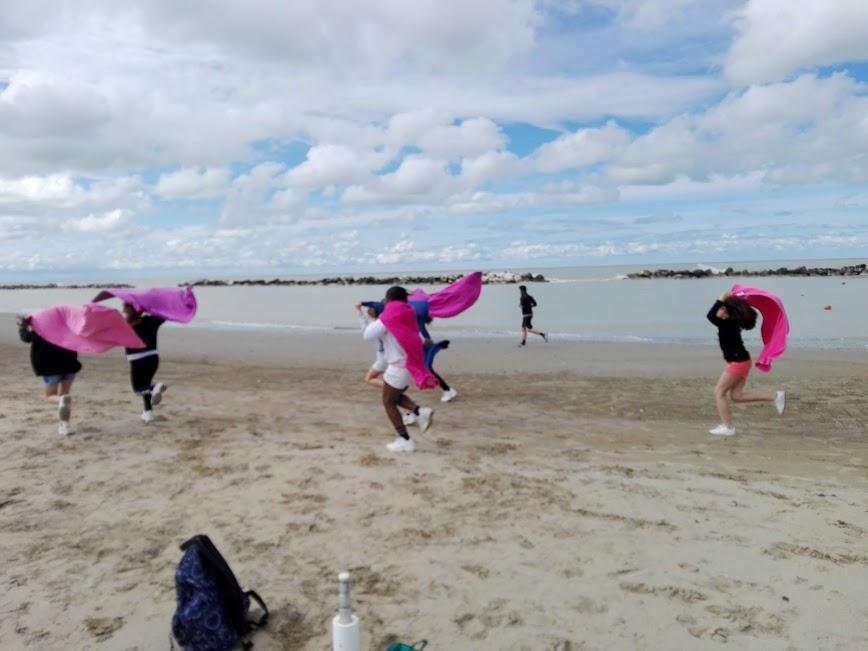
(394, 353)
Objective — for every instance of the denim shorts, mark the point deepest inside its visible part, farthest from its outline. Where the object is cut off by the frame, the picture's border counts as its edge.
(57, 379)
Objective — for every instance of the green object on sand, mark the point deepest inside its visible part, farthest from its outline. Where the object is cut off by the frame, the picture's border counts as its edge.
(400, 646)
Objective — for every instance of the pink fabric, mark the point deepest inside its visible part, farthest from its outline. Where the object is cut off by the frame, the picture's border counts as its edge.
(85, 329)
(775, 326)
(400, 320)
(452, 299)
(171, 303)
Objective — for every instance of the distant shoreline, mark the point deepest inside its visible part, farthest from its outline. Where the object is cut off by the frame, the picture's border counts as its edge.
(847, 270)
(488, 278)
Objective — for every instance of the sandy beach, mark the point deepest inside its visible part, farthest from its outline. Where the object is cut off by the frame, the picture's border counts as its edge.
(568, 499)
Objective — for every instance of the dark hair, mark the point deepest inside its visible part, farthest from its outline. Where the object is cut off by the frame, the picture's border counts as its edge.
(396, 294)
(740, 312)
(522, 288)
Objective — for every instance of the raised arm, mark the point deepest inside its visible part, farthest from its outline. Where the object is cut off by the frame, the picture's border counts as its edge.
(712, 313)
(374, 330)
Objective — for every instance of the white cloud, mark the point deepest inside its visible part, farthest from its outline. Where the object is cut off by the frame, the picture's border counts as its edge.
(582, 148)
(779, 37)
(330, 164)
(491, 166)
(112, 221)
(193, 183)
(417, 179)
(469, 138)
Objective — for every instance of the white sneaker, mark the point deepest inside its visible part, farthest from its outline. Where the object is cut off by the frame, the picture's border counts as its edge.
(780, 401)
(157, 393)
(448, 395)
(409, 418)
(64, 407)
(402, 445)
(148, 416)
(426, 414)
(722, 430)
(65, 428)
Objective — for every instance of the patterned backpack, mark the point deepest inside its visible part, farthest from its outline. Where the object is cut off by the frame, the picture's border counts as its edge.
(212, 611)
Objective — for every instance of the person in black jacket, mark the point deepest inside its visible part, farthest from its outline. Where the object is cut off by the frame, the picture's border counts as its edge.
(144, 362)
(527, 303)
(57, 366)
(731, 315)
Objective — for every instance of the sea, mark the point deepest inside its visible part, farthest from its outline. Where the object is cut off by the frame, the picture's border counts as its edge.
(578, 303)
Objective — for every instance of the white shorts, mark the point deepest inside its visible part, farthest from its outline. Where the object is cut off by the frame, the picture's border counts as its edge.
(397, 377)
(379, 365)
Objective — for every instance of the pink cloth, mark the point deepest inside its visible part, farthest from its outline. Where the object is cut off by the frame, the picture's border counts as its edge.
(400, 320)
(775, 326)
(85, 329)
(171, 303)
(452, 299)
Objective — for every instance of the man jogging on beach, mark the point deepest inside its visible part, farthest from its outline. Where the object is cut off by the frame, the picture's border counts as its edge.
(527, 304)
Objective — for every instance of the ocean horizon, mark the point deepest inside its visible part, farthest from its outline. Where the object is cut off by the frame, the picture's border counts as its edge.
(577, 304)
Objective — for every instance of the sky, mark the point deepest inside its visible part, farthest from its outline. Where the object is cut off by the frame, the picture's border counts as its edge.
(231, 138)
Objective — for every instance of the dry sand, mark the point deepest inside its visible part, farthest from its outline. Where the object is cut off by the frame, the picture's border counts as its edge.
(577, 505)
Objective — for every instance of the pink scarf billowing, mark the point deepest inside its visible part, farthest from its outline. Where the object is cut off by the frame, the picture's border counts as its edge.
(85, 328)
(170, 303)
(452, 299)
(775, 326)
(400, 320)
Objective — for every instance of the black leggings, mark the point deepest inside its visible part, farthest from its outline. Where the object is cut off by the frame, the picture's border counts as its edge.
(142, 372)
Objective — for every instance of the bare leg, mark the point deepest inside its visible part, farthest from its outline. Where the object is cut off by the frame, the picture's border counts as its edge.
(724, 385)
(373, 378)
(738, 395)
(392, 399)
(65, 388)
(51, 392)
(535, 331)
(523, 335)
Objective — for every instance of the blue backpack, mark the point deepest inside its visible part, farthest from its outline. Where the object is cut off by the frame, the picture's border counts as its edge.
(212, 612)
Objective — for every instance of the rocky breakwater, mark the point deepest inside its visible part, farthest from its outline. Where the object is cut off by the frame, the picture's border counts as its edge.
(66, 286)
(488, 278)
(847, 270)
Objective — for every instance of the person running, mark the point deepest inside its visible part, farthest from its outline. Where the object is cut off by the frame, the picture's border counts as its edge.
(144, 362)
(374, 375)
(396, 380)
(731, 315)
(58, 368)
(527, 303)
(431, 350)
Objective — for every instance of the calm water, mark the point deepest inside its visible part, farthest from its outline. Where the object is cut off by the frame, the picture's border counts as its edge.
(586, 303)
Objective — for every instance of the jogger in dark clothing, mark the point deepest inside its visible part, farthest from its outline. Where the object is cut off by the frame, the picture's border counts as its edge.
(144, 362)
(527, 303)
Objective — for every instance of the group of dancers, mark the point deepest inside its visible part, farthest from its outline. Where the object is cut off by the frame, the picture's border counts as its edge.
(59, 366)
(405, 351)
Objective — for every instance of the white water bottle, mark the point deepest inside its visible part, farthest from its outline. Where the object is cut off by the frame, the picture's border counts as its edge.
(346, 632)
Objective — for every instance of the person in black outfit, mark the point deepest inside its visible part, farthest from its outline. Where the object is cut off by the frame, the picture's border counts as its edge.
(527, 303)
(731, 315)
(144, 362)
(57, 366)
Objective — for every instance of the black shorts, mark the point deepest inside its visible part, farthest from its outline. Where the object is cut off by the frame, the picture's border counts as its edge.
(526, 321)
(142, 372)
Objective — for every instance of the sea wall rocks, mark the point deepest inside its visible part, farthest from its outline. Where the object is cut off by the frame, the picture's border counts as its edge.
(65, 286)
(488, 278)
(849, 270)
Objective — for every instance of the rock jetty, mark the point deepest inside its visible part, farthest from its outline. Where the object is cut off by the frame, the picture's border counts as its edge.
(488, 278)
(849, 270)
(66, 286)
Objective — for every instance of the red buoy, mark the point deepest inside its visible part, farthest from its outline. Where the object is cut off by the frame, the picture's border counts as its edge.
(827, 307)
